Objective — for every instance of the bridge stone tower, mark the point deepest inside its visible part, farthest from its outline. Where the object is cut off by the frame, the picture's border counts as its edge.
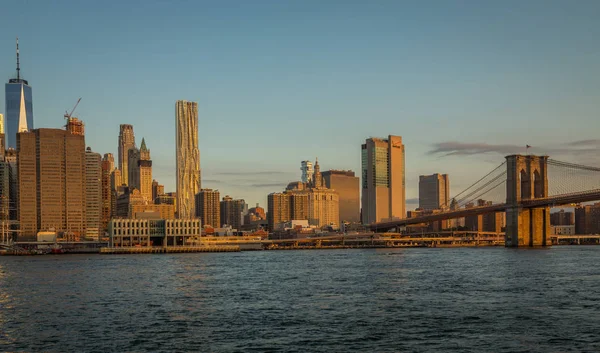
(526, 179)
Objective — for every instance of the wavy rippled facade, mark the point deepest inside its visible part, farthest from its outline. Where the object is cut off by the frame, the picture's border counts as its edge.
(187, 157)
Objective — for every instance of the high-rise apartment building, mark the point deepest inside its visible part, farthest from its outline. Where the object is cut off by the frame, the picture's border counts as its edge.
(52, 182)
(208, 207)
(347, 186)
(126, 142)
(2, 136)
(307, 171)
(18, 105)
(93, 194)
(278, 209)
(187, 157)
(434, 191)
(107, 192)
(145, 173)
(587, 219)
(383, 179)
(232, 212)
(562, 218)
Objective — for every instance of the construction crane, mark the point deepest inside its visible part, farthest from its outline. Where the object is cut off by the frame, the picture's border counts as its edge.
(68, 115)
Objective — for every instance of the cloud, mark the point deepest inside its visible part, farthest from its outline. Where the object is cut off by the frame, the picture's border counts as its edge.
(585, 143)
(275, 172)
(268, 185)
(413, 200)
(453, 148)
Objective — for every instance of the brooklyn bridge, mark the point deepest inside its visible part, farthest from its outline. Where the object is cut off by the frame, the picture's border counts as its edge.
(525, 187)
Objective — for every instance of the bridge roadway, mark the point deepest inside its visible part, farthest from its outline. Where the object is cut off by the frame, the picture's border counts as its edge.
(551, 201)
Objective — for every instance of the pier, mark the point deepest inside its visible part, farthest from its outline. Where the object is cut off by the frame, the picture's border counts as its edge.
(169, 250)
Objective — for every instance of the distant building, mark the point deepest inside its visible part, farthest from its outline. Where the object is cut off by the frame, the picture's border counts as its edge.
(93, 192)
(163, 211)
(152, 232)
(187, 158)
(278, 209)
(348, 188)
(107, 165)
(51, 196)
(126, 142)
(562, 229)
(208, 207)
(18, 104)
(434, 191)
(157, 189)
(133, 159)
(490, 222)
(232, 212)
(307, 171)
(145, 173)
(126, 201)
(383, 179)
(587, 219)
(562, 218)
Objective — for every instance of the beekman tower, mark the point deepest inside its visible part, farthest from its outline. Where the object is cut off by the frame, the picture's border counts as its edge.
(18, 105)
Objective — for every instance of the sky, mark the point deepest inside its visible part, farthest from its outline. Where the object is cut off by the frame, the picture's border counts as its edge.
(277, 82)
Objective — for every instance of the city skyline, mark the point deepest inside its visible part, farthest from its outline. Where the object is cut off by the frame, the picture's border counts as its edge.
(476, 99)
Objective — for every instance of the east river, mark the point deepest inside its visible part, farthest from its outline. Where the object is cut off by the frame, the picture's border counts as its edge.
(372, 300)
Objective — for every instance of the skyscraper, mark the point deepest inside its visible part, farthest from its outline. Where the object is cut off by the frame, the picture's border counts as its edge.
(93, 194)
(2, 136)
(133, 168)
(232, 212)
(52, 183)
(18, 105)
(434, 191)
(108, 164)
(145, 173)
(383, 179)
(126, 142)
(208, 208)
(307, 171)
(187, 157)
(348, 187)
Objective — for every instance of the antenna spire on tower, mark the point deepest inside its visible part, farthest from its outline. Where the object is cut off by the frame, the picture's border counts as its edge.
(18, 65)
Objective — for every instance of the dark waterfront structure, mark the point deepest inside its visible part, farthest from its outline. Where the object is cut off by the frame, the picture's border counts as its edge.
(18, 105)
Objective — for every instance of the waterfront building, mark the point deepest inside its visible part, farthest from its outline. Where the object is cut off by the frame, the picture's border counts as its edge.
(562, 218)
(278, 205)
(208, 207)
(107, 166)
(383, 179)
(51, 182)
(307, 171)
(145, 173)
(232, 212)
(562, 229)
(347, 186)
(152, 232)
(18, 104)
(93, 194)
(187, 157)
(587, 219)
(434, 191)
(126, 142)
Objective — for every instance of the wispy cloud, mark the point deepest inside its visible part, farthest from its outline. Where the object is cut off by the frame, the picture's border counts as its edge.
(268, 185)
(244, 173)
(585, 143)
(414, 200)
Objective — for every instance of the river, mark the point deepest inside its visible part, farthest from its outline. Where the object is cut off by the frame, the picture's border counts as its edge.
(370, 300)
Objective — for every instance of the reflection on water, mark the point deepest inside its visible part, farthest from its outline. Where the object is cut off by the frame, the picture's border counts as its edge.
(492, 299)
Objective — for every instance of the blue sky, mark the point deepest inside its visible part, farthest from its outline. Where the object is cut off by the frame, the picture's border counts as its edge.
(277, 82)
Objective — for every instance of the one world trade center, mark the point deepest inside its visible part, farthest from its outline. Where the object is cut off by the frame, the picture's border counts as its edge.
(18, 105)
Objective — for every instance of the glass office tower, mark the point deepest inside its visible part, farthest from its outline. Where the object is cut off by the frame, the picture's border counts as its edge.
(18, 106)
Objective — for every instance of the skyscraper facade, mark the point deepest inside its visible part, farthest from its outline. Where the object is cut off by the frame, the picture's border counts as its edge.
(434, 191)
(133, 168)
(107, 191)
(93, 194)
(52, 182)
(208, 207)
(347, 186)
(126, 142)
(145, 173)
(307, 171)
(187, 157)
(18, 106)
(383, 179)
(232, 212)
